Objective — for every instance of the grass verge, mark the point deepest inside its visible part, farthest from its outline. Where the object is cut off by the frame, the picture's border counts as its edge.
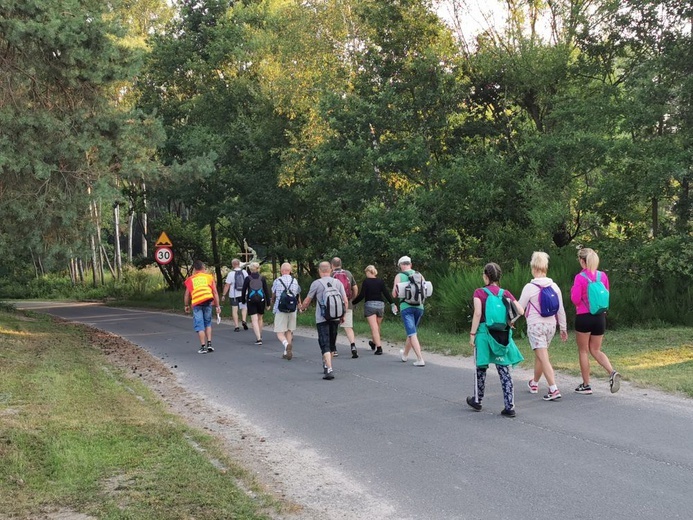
(77, 434)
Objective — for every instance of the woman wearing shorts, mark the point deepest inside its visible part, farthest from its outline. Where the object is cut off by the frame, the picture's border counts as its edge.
(372, 291)
(590, 328)
(541, 329)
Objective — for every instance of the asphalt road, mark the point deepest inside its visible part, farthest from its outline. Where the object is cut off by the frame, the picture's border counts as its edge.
(406, 440)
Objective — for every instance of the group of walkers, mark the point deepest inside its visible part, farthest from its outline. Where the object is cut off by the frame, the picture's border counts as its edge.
(336, 292)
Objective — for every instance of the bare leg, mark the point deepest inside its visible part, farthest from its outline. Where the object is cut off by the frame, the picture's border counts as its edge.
(203, 337)
(375, 329)
(414, 342)
(542, 359)
(350, 334)
(327, 359)
(244, 314)
(256, 326)
(583, 343)
(595, 348)
(234, 315)
(538, 367)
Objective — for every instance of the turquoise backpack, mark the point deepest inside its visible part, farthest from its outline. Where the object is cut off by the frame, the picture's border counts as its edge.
(495, 311)
(597, 295)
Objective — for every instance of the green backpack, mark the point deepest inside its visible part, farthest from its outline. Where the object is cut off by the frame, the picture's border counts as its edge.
(495, 312)
(597, 295)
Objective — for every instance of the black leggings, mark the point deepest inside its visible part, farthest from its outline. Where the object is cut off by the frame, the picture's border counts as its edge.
(506, 383)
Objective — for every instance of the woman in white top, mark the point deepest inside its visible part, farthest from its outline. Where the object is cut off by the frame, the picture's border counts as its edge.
(542, 328)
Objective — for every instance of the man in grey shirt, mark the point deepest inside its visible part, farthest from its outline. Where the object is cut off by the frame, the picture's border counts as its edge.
(327, 329)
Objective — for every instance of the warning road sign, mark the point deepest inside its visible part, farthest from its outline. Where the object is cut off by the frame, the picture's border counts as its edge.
(163, 240)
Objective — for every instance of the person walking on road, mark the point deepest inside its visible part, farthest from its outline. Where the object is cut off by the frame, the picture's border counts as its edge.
(286, 297)
(543, 303)
(352, 291)
(200, 294)
(257, 297)
(373, 291)
(491, 345)
(325, 290)
(234, 288)
(411, 313)
(590, 328)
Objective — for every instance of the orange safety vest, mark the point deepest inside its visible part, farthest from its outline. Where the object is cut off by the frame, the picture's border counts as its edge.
(200, 287)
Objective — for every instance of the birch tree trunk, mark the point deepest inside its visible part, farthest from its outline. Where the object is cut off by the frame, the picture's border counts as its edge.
(117, 258)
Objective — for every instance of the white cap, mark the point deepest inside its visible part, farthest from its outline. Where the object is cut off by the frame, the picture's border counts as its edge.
(404, 260)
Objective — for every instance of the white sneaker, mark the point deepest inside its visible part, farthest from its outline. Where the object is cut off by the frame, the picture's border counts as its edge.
(402, 356)
(418, 363)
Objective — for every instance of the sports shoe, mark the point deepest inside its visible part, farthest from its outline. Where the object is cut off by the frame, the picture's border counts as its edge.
(533, 386)
(210, 348)
(354, 353)
(328, 374)
(378, 351)
(402, 356)
(508, 412)
(237, 329)
(372, 344)
(245, 325)
(614, 381)
(289, 351)
(334, 353)
(584, 389)
(202, 350)
(552, 396)
(418, 363)
(471, 402)
(258, 342)
(284, 355)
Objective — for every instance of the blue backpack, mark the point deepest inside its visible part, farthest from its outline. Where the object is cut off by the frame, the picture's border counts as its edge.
(495, 312)
(549, 303)
(597, 295)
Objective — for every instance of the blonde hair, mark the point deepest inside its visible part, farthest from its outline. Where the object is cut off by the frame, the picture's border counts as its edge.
(371, 269)
(590, 257)
(539, 262)
(254, 267)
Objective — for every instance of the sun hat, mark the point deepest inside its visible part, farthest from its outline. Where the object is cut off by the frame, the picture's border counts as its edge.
(404, 260)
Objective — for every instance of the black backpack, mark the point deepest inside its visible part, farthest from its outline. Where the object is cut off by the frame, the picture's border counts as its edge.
(288, 302)
(255, 292)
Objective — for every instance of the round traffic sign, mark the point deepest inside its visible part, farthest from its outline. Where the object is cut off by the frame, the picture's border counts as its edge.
(163, 255)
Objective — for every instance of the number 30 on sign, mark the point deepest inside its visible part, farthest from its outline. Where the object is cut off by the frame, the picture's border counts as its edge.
(163, 255)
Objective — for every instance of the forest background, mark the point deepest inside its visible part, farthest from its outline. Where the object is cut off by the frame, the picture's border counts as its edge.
(362, 128)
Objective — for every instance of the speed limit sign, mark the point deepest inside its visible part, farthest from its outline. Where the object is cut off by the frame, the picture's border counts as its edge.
(163, 255)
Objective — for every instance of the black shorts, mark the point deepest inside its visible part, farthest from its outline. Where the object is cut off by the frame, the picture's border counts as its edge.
(594, 324)
(256, 308)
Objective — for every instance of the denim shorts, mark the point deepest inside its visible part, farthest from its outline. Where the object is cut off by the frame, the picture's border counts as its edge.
(202, 316)
(374, 308)
(411, 316)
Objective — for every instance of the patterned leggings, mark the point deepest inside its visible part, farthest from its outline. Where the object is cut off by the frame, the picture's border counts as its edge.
(506, 383)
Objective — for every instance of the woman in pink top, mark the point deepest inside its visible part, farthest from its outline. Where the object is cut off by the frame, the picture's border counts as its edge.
(541, 329)
(590, 328)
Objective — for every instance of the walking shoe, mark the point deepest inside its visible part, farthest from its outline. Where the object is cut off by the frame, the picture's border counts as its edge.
(471, 402)
(614, 381)
(237, 329)
(354, 353)
(245, 325)
(378, 351)
(258, 342)
(402, 356)
(508, 412)
(210, 348)
(284, 355)
(552, 396)
(418, 363)
(584, 389)
(334, 353)
(289, 351)
(328, 374)
(372, 344)
(533, 386)
(203, 350)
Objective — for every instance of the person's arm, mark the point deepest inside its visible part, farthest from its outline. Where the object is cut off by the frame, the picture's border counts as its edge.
(386, 294)
(395, 292)
(266, 291)
(361, 294)
(274, 294)
(227, 286)
(576, 290)
(186, 299)
(520, 308)
(355, 288)
(560, 315)
(216, 296)
(476, 320)
(244, 290)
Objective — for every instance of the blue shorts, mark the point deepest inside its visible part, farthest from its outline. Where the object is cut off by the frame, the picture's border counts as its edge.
(202, 316)
(411, 316)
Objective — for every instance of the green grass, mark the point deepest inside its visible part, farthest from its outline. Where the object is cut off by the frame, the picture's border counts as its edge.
(77, 434)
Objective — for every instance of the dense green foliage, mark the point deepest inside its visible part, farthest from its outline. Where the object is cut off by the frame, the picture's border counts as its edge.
(362, 128)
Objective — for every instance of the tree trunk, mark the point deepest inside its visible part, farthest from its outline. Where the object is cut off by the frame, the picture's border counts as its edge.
(131, 227)
(655, 217)
(145, 231)
(215, 255)
(73, 271)
(80, 270)
(93, 258)
(108, 262)
(117, 258)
